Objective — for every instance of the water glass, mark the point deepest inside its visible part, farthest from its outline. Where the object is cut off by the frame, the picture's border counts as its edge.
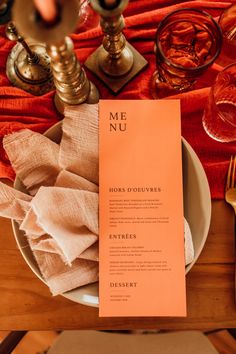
(219, 119)
(227, 23)
(187, 42)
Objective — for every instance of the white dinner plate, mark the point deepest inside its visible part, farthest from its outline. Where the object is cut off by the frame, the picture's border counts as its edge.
(197, 211)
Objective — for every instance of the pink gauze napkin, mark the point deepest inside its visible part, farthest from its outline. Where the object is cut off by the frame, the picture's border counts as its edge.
(59, 223)
(33, 157)
(79, 145)
(45, 243)
(69, 216)
(188, 244)
(70, 180)
(58, 276)
(13, 204)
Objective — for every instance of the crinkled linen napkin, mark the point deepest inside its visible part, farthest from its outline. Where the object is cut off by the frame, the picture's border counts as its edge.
(59, 216)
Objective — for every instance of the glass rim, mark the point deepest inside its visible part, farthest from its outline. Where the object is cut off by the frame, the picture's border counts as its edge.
(220, 19)
(179, 67)
(221, 72)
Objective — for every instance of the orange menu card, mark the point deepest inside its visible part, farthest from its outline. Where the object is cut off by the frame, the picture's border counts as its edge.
(141, 245)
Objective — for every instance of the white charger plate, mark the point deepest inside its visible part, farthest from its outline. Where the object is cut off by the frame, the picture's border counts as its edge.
(197, 211)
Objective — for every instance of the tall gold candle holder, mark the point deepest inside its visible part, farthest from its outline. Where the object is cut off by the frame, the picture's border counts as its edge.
(71, 82)
(115, 62)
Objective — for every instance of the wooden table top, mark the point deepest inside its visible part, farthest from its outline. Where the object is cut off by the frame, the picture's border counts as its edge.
(26, 303)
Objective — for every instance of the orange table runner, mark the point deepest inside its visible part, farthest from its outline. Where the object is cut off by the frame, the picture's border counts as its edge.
(19, 109)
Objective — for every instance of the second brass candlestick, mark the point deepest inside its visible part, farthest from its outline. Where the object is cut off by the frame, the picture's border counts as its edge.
(28, 66)
(115, 62)
(72, 84)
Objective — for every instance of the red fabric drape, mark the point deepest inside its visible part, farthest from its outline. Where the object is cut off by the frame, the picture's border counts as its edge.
(19, 109)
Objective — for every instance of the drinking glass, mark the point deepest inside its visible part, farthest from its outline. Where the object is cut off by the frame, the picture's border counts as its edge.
(227, 23)
(187, 42)
(219, 119)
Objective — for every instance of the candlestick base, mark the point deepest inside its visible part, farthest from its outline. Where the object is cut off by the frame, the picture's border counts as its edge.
(33, 76)
(116, 83)
(92, 98)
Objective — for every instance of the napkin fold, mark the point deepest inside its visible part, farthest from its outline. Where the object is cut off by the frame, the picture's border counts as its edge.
(33, 157)
(70, 180)
(13, 204)
(79, 144)
(188, 244)
(69, 216)
(60, 277)
(46, 243)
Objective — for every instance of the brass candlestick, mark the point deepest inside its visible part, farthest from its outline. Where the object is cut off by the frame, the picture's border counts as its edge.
(115, 62)
(70, 79)
(72, 85)
(28, 66)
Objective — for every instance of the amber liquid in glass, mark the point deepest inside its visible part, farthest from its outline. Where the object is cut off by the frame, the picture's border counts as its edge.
(187, 44)
(186, 48)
